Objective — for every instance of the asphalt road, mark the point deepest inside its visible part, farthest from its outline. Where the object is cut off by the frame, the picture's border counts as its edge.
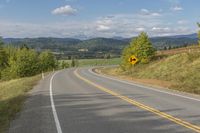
(80, 101)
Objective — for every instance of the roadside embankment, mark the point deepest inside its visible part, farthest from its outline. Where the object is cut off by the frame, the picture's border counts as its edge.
(12, 96)
(179, 72)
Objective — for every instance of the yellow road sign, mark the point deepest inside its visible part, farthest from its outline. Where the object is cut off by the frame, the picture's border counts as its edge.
(133, 60)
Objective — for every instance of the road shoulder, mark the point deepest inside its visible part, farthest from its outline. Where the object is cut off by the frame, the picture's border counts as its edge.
(36, 115)
(159, 85)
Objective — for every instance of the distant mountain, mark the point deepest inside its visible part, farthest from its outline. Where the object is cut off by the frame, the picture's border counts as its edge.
(174, 41)
(193, 36)
(118, 38)
(42, 39)
(12, 40)
(92, 47)
(102, 43)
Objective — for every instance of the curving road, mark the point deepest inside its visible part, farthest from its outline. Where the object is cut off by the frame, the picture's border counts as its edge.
(81, 101)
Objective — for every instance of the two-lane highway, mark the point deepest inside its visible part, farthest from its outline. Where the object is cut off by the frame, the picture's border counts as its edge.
(81, 101)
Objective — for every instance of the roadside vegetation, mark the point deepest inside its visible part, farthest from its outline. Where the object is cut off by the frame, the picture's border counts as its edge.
(180, 71)
(141, 47)
(12, 96)
(90, 62)
(18, 67)
(175, 69)
(24, 62)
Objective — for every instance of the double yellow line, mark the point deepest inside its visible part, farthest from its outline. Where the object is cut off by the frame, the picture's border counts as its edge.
(140, 105)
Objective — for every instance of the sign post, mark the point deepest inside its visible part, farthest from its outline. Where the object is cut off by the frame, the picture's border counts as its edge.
(133, 60)
(42, 75)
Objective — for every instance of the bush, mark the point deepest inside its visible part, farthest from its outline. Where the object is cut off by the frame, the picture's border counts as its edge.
(64, 65)
(23, 62)
(47, 61)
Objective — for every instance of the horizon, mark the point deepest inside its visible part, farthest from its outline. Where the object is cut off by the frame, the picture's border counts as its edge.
(96, 19)
(114, 37)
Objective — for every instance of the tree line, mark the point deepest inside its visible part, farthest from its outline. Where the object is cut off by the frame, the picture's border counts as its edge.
(23, 62)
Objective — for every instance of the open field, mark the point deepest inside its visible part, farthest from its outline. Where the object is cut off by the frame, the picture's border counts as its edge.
(12, 96)
(179, 71)
(96, 62)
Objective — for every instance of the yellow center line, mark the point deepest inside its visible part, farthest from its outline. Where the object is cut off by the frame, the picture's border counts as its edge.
(140, 105)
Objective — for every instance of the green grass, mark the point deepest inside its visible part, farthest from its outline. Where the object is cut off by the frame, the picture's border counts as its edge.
(182, 70)
(96, 62)
(12, 96)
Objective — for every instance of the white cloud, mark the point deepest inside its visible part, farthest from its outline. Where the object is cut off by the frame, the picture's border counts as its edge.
(160, 29)
(177, 8)
(103, 24)
(125, 25)
(104, 21)
(146, 12)
(64, 10)
(140, 29)
(103, 28)
(182, 22)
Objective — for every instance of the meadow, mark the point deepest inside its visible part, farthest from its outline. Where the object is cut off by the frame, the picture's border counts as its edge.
(95, 62)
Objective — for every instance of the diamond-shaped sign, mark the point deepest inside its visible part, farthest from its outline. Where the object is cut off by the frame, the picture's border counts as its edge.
(133, 60)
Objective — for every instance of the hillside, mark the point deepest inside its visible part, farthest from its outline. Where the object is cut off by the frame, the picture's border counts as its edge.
(178, 71)
(98, 47)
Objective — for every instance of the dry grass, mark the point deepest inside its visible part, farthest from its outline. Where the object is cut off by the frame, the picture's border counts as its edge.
(179, 71)
(12, 96)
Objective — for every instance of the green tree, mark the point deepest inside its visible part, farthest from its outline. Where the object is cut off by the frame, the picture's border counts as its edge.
(47, 61)
(64, 65)
(24, 46)
(107, 56)
(24, 63)
(3, 56)
(73, 63)
(141, 47)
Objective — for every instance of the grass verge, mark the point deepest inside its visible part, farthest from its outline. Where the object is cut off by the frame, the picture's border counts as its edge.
(96, 62)
(12, 97)
(179, 72)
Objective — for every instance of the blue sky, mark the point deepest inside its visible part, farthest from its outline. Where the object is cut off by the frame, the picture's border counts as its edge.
(97, 18)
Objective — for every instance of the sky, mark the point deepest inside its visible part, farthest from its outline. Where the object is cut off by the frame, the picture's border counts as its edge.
(97, 18)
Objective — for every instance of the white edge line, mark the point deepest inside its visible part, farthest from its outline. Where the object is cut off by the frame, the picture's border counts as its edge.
(58, 127)
(142, 86)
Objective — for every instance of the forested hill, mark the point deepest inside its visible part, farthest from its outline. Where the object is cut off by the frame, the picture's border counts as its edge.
(42, 42)
(97, 47)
